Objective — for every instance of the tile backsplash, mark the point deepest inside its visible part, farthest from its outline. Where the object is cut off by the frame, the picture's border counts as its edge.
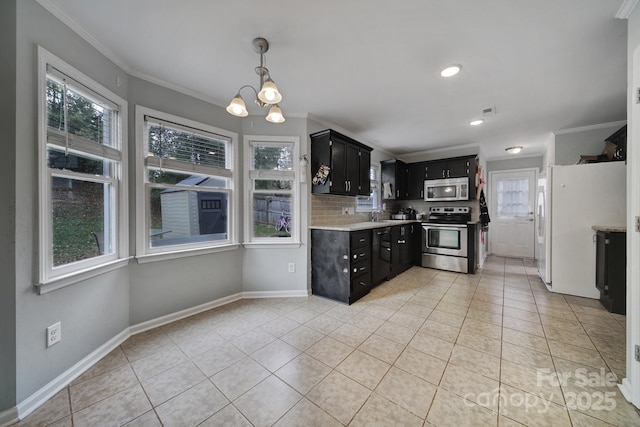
(328, 210)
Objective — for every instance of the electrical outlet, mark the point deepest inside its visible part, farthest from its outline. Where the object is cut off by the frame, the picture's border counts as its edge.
(292, 267)
(345, 211)
(54, 334)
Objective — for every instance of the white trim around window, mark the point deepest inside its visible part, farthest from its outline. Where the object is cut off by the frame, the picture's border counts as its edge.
(219, 172)
(290, 196)
(62, 151)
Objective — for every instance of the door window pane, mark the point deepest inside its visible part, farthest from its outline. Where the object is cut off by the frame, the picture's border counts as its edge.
(513, 198)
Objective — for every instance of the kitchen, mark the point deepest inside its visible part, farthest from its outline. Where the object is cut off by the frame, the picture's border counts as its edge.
(143, 292)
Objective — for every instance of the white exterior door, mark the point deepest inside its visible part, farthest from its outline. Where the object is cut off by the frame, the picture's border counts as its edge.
(512, 209)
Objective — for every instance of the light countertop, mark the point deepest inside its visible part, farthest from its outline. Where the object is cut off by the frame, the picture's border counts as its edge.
(365, 225)
(610, 228)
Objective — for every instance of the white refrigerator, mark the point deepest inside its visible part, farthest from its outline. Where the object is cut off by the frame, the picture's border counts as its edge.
(577, 198)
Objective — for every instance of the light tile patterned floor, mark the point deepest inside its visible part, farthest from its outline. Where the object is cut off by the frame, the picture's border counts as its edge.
(427, 348)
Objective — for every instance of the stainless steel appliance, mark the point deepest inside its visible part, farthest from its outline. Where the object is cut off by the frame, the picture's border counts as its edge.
(439, 190)
(445, 238)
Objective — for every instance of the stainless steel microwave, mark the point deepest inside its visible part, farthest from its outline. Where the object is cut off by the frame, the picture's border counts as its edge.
(444, 190)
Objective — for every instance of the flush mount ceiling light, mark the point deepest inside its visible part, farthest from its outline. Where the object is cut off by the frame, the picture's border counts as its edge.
(476, 122)
(268, 95)
(451, 70)
(513, 150)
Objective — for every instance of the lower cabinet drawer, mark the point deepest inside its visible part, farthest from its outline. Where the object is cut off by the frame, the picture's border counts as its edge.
(360, 239)
(360, 286)
(360, 254)
(360, 268)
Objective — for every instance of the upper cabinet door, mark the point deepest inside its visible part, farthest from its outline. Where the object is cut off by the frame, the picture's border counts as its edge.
(364, 181)
(338, 175)
(436, 170)
(458, 168)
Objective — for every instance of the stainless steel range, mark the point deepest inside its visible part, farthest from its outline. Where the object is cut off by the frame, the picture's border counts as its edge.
(445, 238)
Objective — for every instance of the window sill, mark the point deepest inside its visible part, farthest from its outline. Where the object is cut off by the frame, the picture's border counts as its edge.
(163, 256)
(79, 276)
(272, 245)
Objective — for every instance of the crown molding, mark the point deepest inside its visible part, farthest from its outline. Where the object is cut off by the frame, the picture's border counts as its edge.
(86, 35)
(590, 127)
(626, 8)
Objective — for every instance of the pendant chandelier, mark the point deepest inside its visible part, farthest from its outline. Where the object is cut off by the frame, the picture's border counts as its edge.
(268, 94)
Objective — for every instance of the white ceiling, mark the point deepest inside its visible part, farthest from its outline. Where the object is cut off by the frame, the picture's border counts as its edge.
(372, 66)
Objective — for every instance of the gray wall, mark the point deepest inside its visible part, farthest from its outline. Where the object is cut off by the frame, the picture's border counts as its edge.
(92, 312)
(164, 287)
(7, 207)
(266, 269)
(516, 163)
(570, 146)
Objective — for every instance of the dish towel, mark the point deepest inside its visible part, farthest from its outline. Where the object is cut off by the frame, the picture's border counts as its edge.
(484, 210)
(387, 193)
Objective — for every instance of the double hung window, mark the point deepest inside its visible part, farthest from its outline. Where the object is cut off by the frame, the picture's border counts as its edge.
(82, 158)
(186, 184)
(272, 197)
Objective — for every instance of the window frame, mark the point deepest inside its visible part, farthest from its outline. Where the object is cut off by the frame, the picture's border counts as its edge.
(50, 277)
(144, 252)
(294, 175)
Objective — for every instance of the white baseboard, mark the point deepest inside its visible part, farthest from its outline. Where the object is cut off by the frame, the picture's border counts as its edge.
(163, 320)
(33, 402)
(275, 294)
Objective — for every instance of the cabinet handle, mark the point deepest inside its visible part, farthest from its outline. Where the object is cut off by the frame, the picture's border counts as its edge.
(402, 241)
(363, 240)
(443, 173)
(344, 270)
(448, 173)
(363, 284)
(345, 257)
(606, 241)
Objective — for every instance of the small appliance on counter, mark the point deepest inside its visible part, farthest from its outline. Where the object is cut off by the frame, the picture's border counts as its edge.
(405, 213)
(447, 243)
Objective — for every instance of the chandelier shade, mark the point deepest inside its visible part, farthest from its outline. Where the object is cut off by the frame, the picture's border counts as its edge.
(237, 107)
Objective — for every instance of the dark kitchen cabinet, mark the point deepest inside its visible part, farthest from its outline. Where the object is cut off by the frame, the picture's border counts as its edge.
(380, 255)
(415, 180)
(348, 160)
(341, 264)
(457, 167)
(403, 249)
(611, 278)
(394, 175)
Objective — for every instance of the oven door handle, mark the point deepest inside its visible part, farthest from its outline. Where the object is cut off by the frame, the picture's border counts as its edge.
(444, 226)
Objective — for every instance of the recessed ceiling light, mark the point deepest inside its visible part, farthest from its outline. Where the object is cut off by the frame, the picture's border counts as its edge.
(513, 150)
(451, 70)
(476, 122)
